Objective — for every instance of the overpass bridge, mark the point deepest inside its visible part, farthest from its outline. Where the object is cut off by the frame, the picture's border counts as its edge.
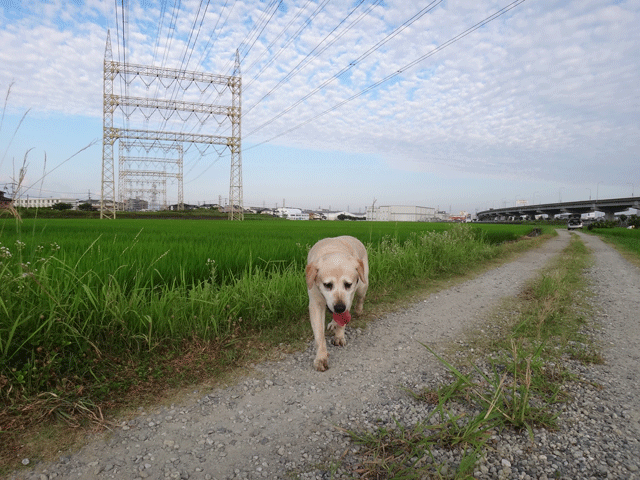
(608, 206)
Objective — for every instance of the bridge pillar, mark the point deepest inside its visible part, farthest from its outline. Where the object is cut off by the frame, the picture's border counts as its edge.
(609, 215)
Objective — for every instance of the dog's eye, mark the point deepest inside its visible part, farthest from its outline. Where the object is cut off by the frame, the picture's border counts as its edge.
(347, 285)
(328, 285)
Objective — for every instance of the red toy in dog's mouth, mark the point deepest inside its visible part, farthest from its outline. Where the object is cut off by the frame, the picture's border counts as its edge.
(342, 318)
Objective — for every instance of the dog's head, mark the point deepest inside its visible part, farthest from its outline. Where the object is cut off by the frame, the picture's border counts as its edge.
(336, 277)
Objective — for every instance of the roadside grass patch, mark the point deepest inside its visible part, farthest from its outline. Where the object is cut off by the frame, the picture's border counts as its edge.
(513, 379)
(625, 241)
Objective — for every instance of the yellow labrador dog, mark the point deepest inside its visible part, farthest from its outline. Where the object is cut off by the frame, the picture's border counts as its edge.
(337, 269)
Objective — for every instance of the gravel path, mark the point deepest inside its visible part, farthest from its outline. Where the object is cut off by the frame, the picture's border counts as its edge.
(281, 421)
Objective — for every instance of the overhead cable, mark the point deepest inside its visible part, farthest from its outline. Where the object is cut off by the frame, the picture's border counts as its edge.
(352, 64)
(311, 55)
(432, 52)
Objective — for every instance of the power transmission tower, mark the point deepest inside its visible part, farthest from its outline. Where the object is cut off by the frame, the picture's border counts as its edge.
(109, 135)
(236, 207)
(140, 175)
(229, 88)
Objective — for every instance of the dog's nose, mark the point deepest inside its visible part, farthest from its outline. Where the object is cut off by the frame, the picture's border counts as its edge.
(339, 307)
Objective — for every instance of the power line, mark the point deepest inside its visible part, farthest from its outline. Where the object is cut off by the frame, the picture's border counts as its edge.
(125, 34)
(311, 55)
(352, 64)
(254, 33)
(259, 28)
(184, 56)
(375, 85)
(208, 48)
(185, 61)
(294, 36)
(246, 44)
(155, 48)
(169, 40)
(275, 40)
(297, 34)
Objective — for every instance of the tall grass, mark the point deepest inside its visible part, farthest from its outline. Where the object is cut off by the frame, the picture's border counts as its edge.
(76, 293)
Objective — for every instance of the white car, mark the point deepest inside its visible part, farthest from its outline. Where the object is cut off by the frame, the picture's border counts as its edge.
(574, 224)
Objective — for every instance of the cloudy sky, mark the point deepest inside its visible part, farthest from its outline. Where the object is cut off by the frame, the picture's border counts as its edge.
(458, 104)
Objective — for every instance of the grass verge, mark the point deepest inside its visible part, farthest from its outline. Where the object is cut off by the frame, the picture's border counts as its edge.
(514, 379)
(625, 241)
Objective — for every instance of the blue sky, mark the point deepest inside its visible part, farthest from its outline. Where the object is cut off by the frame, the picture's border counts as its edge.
(540, 104)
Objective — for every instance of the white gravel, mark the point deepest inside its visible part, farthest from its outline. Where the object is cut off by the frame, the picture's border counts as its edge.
(281, 421)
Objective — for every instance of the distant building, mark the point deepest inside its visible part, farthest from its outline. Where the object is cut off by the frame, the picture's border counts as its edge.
(136, 204)
(291, 213)
(401, 213)
(185, 206)
(4, 200)
(35, 202)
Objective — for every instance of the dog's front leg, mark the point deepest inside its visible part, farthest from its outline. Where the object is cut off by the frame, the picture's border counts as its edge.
(361, 292)
(316, 315)
(338, 337)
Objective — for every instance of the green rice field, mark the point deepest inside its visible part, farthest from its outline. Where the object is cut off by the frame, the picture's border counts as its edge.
(77, 294)
(627, 239)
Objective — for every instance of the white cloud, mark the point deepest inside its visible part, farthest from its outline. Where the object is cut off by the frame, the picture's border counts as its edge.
(547, 91)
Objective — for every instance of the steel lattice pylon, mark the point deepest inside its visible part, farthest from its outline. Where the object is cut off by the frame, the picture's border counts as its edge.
(142, 175)
(161, 137)
(236, 208)
(108, 194)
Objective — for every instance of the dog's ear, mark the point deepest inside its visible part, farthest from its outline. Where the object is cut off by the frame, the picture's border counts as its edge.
(360, 270)
(311, 272)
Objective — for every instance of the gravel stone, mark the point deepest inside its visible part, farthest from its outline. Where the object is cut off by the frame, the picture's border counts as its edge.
(285, 420)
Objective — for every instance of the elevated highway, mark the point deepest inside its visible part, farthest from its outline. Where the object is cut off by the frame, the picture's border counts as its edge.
(609, 207)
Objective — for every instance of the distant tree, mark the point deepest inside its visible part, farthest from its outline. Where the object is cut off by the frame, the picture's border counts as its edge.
(85, 206)
(343, 216)
(62, 206)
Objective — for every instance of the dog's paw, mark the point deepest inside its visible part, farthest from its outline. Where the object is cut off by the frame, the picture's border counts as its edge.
(321, 364)
(332, 326)
(339, 341)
